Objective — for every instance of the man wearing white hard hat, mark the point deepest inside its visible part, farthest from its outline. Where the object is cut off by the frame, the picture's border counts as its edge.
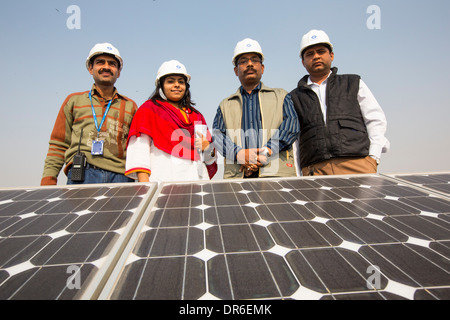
(342, 125)
(169, 139)
(90, 133)
(254, 128)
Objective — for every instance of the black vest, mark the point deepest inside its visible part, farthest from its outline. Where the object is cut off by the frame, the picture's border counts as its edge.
(344, 134)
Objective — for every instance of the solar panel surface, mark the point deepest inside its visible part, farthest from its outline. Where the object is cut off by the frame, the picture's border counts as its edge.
(309, 238)
(438, 182)
(53, 241)
(340, 237)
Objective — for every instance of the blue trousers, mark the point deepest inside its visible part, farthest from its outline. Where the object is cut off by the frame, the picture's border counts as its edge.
(96, 175)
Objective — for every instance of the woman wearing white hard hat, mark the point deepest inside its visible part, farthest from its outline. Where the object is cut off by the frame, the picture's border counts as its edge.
(169, 139)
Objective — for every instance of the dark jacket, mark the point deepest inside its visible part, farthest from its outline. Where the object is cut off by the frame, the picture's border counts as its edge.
(344, 133)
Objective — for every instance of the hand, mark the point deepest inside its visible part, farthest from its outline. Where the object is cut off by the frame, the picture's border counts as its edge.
(143, 177)
(201, 143)
(247, 156)
(263, 156)
(249, 169)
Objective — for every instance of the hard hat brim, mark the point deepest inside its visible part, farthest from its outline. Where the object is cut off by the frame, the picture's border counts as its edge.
(187, 76)
(172, 67)
(328, 44)
(312, 38)
(247, 46)
(104, 48)
(92, 56)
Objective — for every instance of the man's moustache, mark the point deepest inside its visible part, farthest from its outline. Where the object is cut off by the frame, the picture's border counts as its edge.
(105, 71)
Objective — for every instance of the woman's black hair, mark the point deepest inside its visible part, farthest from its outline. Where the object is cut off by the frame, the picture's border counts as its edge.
(186, 102)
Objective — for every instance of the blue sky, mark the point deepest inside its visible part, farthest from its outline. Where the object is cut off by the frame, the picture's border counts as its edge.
(404, 63)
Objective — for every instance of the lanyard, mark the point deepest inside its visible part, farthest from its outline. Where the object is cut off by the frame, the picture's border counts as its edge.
(99, 128)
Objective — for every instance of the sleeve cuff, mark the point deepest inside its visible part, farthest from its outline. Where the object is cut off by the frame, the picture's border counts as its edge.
(49, 181)
(210, 155)
(132, 173)
(375, 150)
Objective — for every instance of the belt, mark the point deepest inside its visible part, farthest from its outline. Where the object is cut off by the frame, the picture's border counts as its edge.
(90, 166)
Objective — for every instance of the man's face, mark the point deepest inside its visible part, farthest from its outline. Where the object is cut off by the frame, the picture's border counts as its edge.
(105, 70)
(249, 68)
(317, 59)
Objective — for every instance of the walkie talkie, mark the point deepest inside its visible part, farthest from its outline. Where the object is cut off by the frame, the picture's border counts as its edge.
(79, 163)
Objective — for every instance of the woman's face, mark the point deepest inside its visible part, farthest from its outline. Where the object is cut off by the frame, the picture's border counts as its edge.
(174, 87)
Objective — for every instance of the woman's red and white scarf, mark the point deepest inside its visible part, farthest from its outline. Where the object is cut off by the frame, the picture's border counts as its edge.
(170, 132)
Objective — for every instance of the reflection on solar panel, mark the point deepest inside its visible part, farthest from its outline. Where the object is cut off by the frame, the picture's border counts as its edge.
(341, 237)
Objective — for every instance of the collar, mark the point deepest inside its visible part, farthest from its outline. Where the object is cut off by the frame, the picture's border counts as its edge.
(309, 82)
(97, 93)
(256, 89)
(238, 94)
(305, 81)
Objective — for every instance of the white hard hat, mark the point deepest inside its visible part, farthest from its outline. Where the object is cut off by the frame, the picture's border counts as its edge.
(314, 37)
(247, 46)
(104, 48)
(172, 67)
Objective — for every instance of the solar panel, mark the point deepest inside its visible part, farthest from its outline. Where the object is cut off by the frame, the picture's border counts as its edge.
(437, 182)
(352, 237)
(335, 237)
(56, 242)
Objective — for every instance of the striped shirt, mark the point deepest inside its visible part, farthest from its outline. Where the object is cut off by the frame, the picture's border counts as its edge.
(76, 114)
(252, 127)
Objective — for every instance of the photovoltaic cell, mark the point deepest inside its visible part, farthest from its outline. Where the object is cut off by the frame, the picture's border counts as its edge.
(355, 237)
(435, 181)
(49, 234)
(338, 237)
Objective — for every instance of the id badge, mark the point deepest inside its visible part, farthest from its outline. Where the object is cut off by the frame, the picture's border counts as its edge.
(97, 148)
